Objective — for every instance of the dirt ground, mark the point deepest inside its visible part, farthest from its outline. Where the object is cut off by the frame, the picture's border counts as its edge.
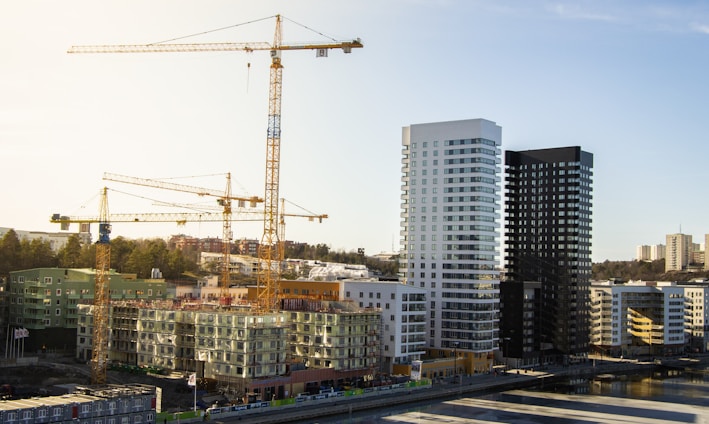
(44, 378)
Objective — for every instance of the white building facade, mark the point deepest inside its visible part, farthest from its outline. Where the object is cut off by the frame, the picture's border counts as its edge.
(696, 311)
(677, 251)
(450, 211)
(638, 318)
(403, 307)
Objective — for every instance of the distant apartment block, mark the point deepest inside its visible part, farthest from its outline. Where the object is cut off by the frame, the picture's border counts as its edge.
(56, 240)
(642, 253)
(657, 251)
(238, 264)
(188, 243)
(678, 252)
(450, 229)
(249, 246)
(650, 252)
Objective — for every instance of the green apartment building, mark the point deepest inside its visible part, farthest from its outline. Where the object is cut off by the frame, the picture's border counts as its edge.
(45, 302)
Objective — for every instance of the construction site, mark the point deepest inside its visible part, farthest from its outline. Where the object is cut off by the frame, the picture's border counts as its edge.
(261, 345)
(305, 346)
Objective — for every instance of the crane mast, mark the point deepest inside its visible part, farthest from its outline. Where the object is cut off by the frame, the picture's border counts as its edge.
(267, 287)
(225, 203)
(101, 296)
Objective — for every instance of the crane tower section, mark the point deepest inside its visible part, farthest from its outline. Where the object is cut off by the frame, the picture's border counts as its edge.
(99, 347)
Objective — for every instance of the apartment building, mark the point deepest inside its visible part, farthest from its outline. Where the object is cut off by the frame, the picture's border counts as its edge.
(340, 340)
(640, 318)
(678, 248)
(403, 311)
(650, 252)
(548, 240)
(696, 317)
(46, 300)
(450, 205)
(244, 350)
(238, 264)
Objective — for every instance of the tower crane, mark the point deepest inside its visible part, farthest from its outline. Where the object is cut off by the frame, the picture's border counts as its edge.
(224, 199)
(268, 248)
(99, 348)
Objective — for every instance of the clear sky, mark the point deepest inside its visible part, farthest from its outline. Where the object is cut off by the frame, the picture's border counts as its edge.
(625, 80)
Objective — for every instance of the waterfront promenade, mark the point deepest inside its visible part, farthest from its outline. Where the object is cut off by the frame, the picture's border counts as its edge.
(449, 389)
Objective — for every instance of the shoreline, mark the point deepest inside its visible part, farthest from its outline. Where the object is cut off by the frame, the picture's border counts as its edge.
(480, 384)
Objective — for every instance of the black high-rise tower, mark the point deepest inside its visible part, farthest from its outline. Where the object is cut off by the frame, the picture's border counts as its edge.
(545, 293)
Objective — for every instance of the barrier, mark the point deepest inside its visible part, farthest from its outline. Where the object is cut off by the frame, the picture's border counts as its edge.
(257, 407)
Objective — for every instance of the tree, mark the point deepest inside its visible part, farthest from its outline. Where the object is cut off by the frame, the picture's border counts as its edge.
(37, 254)
(147, 254)
(121, 248)
(70, 255)
(9, 253)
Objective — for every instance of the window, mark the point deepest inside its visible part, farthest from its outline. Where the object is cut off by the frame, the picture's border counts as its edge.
(47, 280)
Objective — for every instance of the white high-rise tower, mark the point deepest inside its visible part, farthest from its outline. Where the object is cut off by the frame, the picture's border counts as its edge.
(450, 233)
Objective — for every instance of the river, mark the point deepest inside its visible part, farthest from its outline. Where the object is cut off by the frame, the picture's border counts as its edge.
(669, 396)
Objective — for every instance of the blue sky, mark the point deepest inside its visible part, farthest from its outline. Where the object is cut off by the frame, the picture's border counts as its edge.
(626, 80)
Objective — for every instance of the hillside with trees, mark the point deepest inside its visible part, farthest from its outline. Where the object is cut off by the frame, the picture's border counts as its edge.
(141, 256)
(640, 270)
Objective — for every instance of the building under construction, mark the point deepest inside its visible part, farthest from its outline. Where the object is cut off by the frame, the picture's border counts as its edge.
(243, 351)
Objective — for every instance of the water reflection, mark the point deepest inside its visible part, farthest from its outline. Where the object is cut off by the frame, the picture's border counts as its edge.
(655, 397)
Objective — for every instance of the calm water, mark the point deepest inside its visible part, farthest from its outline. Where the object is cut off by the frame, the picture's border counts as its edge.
(653, 398)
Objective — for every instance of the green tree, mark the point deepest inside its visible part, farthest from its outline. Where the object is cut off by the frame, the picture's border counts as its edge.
(87, 259)
(121, 249)
(37, 254)
(148, 254)
(176, 265)
(9, 253)
(70, 255)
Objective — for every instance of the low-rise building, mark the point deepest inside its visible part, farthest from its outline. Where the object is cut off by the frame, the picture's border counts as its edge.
(638, 318)
(131, 403)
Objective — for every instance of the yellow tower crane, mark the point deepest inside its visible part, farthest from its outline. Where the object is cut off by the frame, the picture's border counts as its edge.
(268, 248)
(224, 200)
(99, 348)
